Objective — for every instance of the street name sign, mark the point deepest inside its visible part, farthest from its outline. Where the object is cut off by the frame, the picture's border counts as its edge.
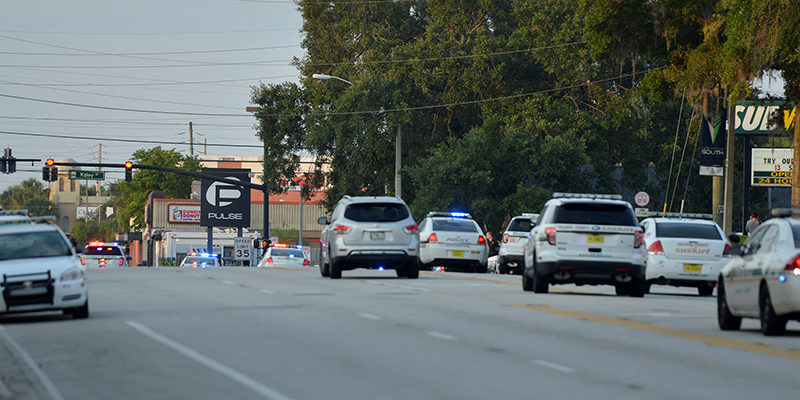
(89, 175)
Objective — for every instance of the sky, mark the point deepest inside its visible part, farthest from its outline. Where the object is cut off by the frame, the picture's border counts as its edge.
(107, 72)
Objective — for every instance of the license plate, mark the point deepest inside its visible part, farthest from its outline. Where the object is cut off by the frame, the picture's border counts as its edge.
(693, 268)
(594, 238)
(458, 254)
(377, 235)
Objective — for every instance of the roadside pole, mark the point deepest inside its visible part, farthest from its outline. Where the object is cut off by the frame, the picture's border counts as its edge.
(727, 216)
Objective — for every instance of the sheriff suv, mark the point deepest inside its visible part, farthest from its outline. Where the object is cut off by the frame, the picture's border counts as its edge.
(589, 239)
(370, 232)
(509, 258)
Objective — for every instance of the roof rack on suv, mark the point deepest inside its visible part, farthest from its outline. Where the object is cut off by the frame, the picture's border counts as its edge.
(679, 215)
(453, 214)
(786, 212)
(529, 214)
(559, 195)
(23, 217)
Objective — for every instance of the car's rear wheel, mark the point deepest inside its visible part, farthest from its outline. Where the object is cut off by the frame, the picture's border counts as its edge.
(412, 270)
(637, 288)
(725, 320)
(705, 289)
(502, 268)
(527, 283)
(335, 270)
(621, 290)
(771, 323)
(400, 270)
(540, 282)
(324, 269)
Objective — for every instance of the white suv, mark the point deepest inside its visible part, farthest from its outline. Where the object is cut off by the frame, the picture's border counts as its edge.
(586, 239)
(509, 258)
(370, 232)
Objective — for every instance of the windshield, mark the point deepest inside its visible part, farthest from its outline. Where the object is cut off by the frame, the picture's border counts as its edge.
(454, 225)
(287, 253)
(520, 225)
(32, 245)
(687, 230)
(595, 214)
(376, 212)
(103, 251)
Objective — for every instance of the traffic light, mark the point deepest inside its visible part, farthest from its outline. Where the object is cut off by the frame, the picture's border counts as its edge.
(128, 171)
(256, 244)
(50, 171)
(46, 173)
(265, 244)
(12, 165)
(3, 165)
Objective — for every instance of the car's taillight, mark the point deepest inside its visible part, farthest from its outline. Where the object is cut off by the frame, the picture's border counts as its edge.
(505, 238)
(341, 229)
(83, 260)
(481, 239)
(638, 238)
(269, 260)
(793, 266)
(727, 247)
(102, 261)
(121, 261)
(411, 229)
(305, 262)
(432, 238)
(656, 248)
(551, 235)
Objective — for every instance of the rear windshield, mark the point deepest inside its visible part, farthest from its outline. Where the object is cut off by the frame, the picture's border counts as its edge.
(795, 233)
(687, 231)
(595, 214)
(199, 260)
(520, 225)
(287, 253)
(103, 251)
(454, 225)
(376, 212)
(33, 244)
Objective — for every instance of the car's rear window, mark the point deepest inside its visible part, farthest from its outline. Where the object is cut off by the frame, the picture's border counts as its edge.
(103, 251)
(687, 231)
(287, 253)
(795, 233)
(520, 225)
(376, 212)
(32, 245)
(454, 225)
(199, 260)
(595, 214)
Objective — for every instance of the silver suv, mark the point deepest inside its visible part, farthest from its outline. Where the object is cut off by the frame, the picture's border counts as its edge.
(586, 239)
(509, 258)
(370, 232)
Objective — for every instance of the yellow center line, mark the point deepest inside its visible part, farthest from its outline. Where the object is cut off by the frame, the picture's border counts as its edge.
(663, 330)
(500, 282)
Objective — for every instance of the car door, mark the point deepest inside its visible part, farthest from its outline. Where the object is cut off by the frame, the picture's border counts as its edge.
(754, 269)
(742, 289)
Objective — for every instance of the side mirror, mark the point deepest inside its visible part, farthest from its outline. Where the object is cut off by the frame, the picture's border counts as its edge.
(323, 221)
(735, 250)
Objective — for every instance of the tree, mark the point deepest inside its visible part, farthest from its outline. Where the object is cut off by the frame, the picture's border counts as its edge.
(31, 195)
(87, 231)
(129, 198)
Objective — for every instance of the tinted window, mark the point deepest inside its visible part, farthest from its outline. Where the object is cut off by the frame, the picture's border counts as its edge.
(376, 212)
(594, 214)
(689, 231)
(33, 244)
(103, 251)
(286, 252)
(520, 225)
(795, 233)
(454, 225)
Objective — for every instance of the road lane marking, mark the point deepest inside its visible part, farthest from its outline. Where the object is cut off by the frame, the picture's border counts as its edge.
(370, 316)
(267, 291)
(257, 387)
(391, 285)
(31, 365)
(663, 330)
(440, 335)
(554, 366)
(501, 282)
(227, 282)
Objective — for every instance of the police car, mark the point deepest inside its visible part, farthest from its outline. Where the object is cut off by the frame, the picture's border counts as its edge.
(104, 254)
(684, 250)
(201, 260)
(509, 258)
(453, 240)
(762, 279)
(283, 254)
(39, 267)
(591, 239)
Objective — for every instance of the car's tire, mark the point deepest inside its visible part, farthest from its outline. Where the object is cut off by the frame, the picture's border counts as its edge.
(400, 270)
(81, 312)
(324, 269)
(527, 283)
(705, 290)
(335, 270)
(540, 283)
(621, 290)
(647, 287)
(771, 323)
(502, 268)
(725, 320)
(412, 270)
(481, 268)
(637, 288)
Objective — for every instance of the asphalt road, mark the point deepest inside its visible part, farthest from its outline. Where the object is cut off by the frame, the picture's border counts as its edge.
(287, 333)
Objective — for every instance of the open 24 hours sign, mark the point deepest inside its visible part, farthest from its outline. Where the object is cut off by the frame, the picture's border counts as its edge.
(772, 167)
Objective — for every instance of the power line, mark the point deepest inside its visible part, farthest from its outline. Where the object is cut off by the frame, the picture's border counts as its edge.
(124, 122)
(124, 140)
(151, 53)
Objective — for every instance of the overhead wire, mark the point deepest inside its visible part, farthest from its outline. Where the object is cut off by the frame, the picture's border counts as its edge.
(31, 134)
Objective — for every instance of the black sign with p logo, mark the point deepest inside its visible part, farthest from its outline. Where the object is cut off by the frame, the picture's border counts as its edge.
(225, 204)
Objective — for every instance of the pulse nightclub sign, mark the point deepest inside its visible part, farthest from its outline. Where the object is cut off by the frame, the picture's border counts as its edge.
(225, 204)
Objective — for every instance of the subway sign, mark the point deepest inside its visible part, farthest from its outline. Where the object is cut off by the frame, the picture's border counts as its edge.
(772, 167)
(764, 118)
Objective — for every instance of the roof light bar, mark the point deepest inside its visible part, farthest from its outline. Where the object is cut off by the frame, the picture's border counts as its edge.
(454, 214)
(26, 219)
(559, 195)
(679, 215)
(786, 212)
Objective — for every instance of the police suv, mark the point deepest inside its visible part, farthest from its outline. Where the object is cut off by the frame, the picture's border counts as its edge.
(591, 239)
(509, 258)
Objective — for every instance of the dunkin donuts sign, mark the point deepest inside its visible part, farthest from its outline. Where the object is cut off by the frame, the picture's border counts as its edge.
(183, 214)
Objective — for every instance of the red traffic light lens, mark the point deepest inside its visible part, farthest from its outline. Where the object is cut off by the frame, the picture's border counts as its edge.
(49, 162)
(128, 164)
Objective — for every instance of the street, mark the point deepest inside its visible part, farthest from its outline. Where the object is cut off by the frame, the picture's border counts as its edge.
(287, 333)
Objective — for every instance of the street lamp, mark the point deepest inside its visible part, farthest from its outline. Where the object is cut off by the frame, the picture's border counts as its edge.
(397, 147)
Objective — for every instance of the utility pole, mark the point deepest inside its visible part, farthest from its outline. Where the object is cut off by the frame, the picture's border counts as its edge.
(97, 187)
(727, 216)
(205, 147)
(397, 164)
(191, 139)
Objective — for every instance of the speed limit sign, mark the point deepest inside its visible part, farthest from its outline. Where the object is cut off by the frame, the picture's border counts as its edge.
(642, 198)
(241, 248)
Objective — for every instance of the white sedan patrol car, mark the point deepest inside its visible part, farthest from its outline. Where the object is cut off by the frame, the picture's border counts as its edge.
(283, 254)
(39, 268)
(586, 239)
(684, 250)
(452, 240)
(104, 254)
(201, 260)
(509, 258)
(762, 280)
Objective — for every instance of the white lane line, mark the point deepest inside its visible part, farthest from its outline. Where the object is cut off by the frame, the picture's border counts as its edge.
(227, 282)
(554, 366)
(440, 335)
(267, 291)
(391, 285)
(370, 316)
(257, 387)
(31, 365)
